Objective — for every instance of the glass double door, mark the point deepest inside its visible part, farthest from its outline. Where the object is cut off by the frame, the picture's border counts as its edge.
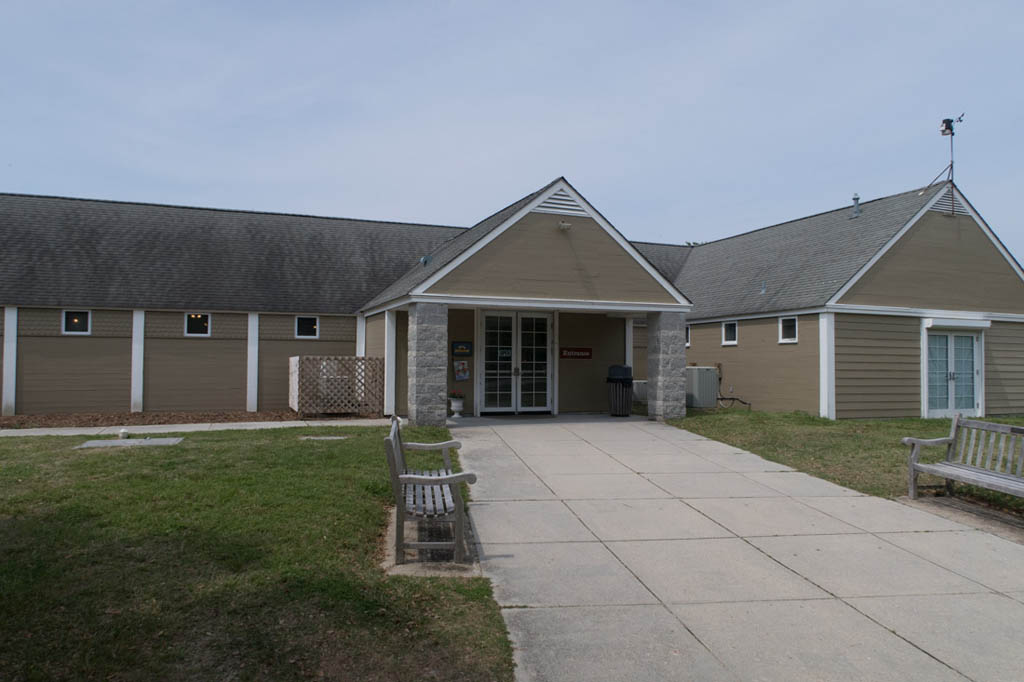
(517, 362)
(953, 374)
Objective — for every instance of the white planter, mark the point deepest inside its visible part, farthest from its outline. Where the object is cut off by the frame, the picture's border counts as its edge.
(457, 404)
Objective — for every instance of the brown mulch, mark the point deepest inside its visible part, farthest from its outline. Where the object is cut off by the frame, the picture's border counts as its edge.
(32, 421)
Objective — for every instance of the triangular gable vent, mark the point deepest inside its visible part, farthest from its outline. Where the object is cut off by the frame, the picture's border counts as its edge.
(948, 203)
(561, 202)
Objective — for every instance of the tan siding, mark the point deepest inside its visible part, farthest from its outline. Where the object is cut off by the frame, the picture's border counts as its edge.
(534, 258)
(640, 351)
(773, 376)
(402, 363)
(461, 328)
(581, 383)
(194, 374)
(171, 325)
(49, 322)
(375, 336)
(878, 366)
(1004, 368)
(273, 369)
(943, 262)
(73, 374)
(331, 327)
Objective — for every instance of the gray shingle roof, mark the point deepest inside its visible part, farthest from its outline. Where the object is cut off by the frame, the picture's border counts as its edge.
(667, 258)
(802, 263)
(449, 251)
(77, 252)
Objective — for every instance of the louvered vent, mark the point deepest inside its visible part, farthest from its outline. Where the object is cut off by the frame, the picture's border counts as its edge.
(947, 203)
(561, 202)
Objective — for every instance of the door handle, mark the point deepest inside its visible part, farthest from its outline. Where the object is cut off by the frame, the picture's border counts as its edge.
(952, 376)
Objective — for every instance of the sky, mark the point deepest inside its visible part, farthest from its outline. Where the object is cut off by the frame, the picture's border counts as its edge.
(679, 121)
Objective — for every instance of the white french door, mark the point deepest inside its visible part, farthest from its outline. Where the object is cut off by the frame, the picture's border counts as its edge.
(954, 374)
(517, 362)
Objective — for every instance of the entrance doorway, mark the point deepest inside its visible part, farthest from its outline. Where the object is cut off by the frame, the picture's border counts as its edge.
(954, 374)
(517, 362)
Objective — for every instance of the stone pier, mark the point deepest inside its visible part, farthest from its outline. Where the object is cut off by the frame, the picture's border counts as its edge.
(666, 365)
(428, 363)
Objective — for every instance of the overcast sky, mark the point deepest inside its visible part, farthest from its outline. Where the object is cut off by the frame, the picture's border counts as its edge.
(679, 121)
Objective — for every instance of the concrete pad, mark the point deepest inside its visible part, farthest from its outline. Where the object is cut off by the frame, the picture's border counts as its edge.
(545, 465)
(1019, 596)
(754, 516)
(977, 634)
(862, 566)
(563, 574)
(602, 487)
(258, 426)
(129, 442)
(713, 447)
(791, 641)
(679, 462)
(742, 462)
(645, 520)
(694, 486)
(533, 433)
(174, 428)
(652, 446)
(557, 448)
(55, 431)
(636, 643)
(877, 515)
(504, 478)
(532, 521)
(985, 558)
(690, 571)
(798, 484)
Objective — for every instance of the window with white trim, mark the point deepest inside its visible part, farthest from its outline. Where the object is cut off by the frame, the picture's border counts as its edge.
(77, 322)
(730, 333)
(307, 327)
(787, 330)
(197, 324)
(687, 336)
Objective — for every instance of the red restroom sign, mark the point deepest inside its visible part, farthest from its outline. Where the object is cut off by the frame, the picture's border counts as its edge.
(577, 353)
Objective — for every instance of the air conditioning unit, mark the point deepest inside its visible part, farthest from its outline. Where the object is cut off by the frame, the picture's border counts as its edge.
(702, 387)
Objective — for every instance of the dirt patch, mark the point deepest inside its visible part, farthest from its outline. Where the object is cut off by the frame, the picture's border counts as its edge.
(45, 421)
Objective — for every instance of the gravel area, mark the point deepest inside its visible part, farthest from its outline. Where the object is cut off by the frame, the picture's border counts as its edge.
(33, 421)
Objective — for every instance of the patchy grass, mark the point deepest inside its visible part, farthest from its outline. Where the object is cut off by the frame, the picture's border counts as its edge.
(863, 454)
(234, 555)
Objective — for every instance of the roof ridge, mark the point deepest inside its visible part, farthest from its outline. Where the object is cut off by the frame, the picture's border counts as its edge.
(678, 246)
(820, 213)
(227, 210)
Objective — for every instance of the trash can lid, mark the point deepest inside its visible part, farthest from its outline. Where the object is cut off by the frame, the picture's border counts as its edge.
(620, 372)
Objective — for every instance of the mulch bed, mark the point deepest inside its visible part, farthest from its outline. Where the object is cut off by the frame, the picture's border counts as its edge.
(32, 421)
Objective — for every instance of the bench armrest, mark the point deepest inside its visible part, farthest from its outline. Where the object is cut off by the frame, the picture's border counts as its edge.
(927, 441)
(452, 479)
(432, 446)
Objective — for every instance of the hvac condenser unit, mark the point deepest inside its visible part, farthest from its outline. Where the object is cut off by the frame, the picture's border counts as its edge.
(701, 386)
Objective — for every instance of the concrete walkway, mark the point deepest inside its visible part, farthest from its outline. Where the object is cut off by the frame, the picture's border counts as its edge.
(630, 550)
(185, 428)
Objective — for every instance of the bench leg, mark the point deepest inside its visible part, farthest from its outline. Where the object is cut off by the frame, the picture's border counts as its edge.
(949, 487)
(913, 482)
(460, 536)
(399, 536)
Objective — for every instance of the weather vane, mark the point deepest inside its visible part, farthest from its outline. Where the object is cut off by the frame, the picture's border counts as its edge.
(947, 129)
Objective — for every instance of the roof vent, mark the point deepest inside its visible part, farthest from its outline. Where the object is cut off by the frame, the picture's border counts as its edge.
(561, 203)
(856, 205)
(425, 260)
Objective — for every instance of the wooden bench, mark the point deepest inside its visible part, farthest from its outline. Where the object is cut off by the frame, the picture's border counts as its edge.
(421, 495)
(979, 453)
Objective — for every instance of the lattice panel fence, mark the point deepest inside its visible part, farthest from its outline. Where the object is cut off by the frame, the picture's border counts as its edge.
(327, 384)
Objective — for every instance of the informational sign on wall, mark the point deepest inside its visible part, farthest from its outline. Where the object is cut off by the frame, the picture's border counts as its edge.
(577, 353)
(461, 368)
(462, 349)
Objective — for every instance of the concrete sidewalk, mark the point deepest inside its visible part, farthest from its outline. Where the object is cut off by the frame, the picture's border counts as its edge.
(631, 550)
(185, 428)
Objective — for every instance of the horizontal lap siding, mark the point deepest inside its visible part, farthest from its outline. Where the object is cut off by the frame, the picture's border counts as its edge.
(640, 351)
(1004, 368)
(62, 374)
(878, 366)
(375, 336)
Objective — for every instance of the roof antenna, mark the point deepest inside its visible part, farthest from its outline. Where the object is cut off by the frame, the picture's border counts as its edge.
(946, 128)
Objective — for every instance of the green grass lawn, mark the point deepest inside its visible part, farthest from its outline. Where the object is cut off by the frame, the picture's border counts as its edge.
(234, 555)
(863, 454)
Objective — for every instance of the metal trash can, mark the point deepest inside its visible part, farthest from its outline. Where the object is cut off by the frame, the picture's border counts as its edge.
(620, 390)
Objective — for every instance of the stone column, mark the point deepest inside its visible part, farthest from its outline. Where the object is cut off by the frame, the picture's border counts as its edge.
(428, 363)
(666, 365)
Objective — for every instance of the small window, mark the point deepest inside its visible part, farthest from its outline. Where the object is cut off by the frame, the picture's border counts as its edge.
(197, 324)
(307, 327)
(687, 336)
(77, 322)
(787, 330)
(729, 333)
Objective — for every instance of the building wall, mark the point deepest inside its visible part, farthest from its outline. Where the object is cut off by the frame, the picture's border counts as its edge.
(375, 336)
(1004, 368)
(194, 373)
(943, 262)
(878, 366)
(461, 327)
(581, 383)
(61, 374)
(536, 259)
(278, 343)
(640, 350)
(773, 376)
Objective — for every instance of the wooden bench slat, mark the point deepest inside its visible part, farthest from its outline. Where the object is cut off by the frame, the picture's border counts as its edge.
(972, 476)
(1020, 458)
(970, 449)
(962, 445)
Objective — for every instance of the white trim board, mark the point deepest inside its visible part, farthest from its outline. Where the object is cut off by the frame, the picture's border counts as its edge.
(923, 312)
(827, 365)
(390, 365)
(361, 336)
(559, 186)
(10, 378)
(138, 359)
(252, 363)
(469, 301)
